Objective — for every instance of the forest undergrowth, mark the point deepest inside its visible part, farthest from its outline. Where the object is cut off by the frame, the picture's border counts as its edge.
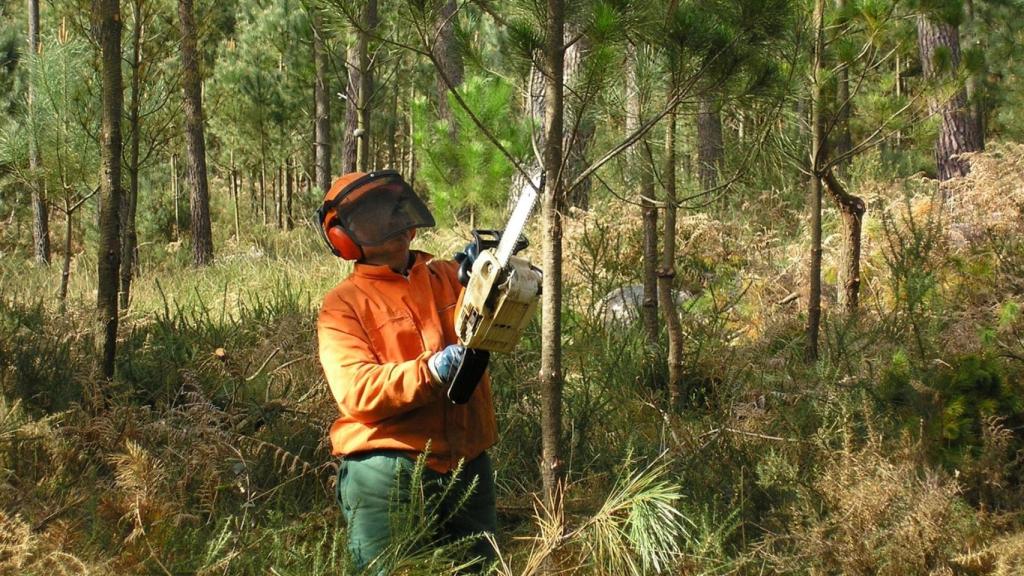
(899, 452)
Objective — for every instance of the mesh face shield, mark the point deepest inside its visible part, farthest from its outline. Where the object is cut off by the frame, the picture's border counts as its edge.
(375, 208)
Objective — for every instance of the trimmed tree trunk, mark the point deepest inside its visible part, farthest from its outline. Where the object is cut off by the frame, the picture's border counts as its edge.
(322, 107)
(130, 201)
(710, 144)
(958, 133)
(40, 214)
(199, 196)
(107, 29)
(814, 188)
(552, 465)
(643, 161)
(667, 272)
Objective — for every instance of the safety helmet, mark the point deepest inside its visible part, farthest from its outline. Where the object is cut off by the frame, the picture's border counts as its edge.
(368, 210)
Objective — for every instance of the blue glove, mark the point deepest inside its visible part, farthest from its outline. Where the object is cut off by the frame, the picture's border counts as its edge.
(466, 258)
(445, 363)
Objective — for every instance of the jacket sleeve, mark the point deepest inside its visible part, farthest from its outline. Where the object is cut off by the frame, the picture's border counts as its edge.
(365, 390)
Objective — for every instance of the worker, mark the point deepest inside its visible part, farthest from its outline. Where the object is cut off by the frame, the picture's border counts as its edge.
(388, 348)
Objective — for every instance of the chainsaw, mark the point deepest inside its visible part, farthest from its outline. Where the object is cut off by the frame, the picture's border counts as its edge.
(500, 296)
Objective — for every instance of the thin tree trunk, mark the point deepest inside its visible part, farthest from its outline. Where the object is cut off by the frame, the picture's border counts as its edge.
(279, 196)
(40, 214)
(65, 269)
(107, 27)
(289, 184)
(235, 184)
(552, 466)
(642, 159)
(975, 100)
(394, 120)
(365, 88)
(199, 196)
(577, 143)
(710, 144)
(129, 202)
(450, 59)
(411, 150)
(958, 133)
(843, 141)
(174, 194)
(322, 106)
(348, 144)
(263, 189)
(814, 188)
(667, 273)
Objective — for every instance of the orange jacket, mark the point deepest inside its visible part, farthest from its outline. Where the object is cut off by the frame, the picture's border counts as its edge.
(376, 331)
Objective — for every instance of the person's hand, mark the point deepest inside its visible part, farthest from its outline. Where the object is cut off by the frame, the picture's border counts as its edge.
(466, 258)
(445, 364)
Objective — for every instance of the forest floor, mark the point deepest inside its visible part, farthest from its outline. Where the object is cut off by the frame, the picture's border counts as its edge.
(898, 452)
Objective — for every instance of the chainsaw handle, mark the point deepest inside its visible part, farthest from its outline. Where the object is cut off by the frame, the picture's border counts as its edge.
(485, 239)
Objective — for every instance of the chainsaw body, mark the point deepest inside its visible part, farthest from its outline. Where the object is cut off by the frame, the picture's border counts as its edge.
(498, 303)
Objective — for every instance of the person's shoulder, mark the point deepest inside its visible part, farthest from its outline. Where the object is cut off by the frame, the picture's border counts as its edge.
(339, 295)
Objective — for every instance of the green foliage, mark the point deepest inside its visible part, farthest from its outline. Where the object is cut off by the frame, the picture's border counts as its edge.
(468, 174)
(950, 404)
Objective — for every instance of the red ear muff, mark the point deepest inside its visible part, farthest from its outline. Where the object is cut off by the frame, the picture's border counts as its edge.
(343, 244)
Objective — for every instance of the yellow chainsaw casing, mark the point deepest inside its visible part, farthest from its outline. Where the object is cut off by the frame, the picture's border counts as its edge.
(497, 305)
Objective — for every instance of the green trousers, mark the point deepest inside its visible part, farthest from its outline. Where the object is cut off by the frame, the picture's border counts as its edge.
(384, 506)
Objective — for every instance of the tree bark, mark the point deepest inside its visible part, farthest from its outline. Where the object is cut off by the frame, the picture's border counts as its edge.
(348, 142)
(322, 106)
(174, 195)
(843, 141)
(814, 187)
(289, 187)
(577, 142)
(975, 100)
(129, 201)
(40, 213)
(958, 133)
(852, 209)
(65, 269)
(364, 90)
(199, 196)
(635, 108)
(235, 184)
(710, 144)
(279, 196)
(552, 466)
(667, 272)
(107, 29)
(449, 57)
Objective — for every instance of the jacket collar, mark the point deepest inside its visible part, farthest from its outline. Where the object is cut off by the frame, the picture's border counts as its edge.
(383, 272)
